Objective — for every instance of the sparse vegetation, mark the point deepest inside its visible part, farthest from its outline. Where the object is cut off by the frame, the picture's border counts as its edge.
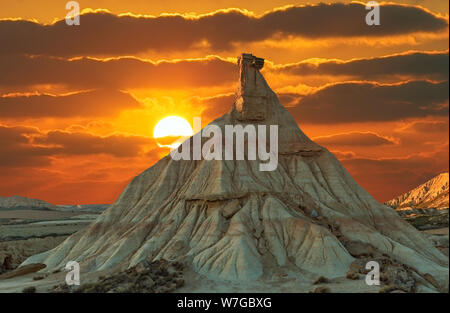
(426, 221)
(321, 280)
(352, 275)
(159, 276)
(388, 288)
(322, 289)
(30, 289)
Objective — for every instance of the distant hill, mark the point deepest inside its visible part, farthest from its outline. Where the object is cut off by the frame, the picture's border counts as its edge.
(92, 208)
(431, 195)
(18, 202)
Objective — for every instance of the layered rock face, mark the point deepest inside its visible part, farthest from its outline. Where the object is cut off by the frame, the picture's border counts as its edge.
(432, 194)
(229, 220)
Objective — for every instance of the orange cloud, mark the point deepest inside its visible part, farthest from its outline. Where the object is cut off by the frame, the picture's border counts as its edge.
(431, 65)
(125, 72)
(28, 146)
(212, 71)
(352, 102)
(86, 104)
(103, 33)
(365, 102)
(426, 127)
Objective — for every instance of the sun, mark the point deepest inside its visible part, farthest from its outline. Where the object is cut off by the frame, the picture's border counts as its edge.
(171, 131)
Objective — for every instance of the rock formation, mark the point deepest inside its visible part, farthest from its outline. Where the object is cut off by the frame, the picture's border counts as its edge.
(431, 195)
(227, 219)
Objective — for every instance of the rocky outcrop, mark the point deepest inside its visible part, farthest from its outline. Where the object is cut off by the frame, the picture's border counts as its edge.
(227, 219)
(14, 252)
(159, 276)
(7, 264)
(23, 270)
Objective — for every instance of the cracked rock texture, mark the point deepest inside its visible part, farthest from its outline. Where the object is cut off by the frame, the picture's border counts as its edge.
(229, 220)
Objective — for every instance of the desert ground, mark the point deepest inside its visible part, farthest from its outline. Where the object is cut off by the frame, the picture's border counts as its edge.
(27, 232)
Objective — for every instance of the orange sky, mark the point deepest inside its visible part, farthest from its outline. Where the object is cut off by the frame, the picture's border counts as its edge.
(78, 104)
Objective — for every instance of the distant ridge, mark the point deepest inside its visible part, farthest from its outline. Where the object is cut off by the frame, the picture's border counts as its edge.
(16, 202)
(432, 194)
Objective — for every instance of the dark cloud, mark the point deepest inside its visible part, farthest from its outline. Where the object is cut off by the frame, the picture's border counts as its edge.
(107, 34)
(354, 139)
(353, 102)
(126, 72)
(85, 104)
(85, 143)
(27, 146)
(419, 64)
(16, 150)
(370, 102)
(214, 107)
(129, 72)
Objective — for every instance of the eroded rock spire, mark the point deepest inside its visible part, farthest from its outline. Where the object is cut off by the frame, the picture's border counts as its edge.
(252, 94)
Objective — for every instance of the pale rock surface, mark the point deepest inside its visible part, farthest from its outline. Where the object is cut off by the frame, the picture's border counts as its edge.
(230, 221)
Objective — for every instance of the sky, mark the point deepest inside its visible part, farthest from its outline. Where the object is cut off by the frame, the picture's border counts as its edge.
(78, 104)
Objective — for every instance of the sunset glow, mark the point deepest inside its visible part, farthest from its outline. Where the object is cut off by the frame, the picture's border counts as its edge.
(83, 109)
(172, 127)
